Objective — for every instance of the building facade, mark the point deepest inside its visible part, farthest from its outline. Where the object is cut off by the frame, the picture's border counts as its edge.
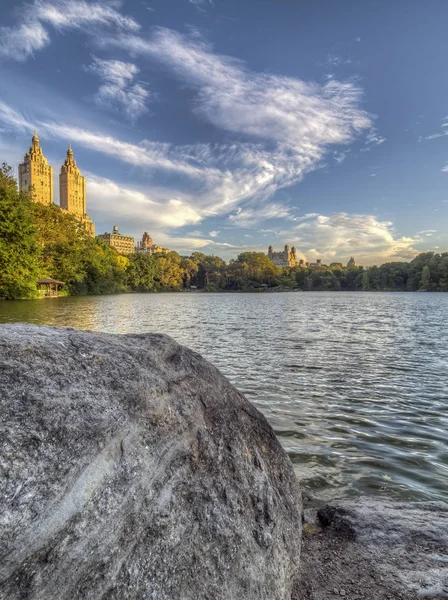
(72, 192)
(35, 174)
(123, 244)
(286, 258)
(147, 246)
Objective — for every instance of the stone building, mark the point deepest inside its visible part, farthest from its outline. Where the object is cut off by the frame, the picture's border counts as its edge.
(147, 246)
(36, 174)
(124, 244)
(72, 192)
(315, 265)
(287, 258)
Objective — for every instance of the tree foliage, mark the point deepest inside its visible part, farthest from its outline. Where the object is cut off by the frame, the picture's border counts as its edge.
(45, 241)
(19, 252)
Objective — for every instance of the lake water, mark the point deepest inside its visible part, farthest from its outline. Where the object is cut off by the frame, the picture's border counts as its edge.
(355, 385)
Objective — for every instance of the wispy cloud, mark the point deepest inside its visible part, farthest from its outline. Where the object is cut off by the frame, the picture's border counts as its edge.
(334, 60)
(119, 92)
(339, 157)
(159, 209)
(434, 136)
(30, 35)
(285, 126)
(373, 138)
(442, 133)
(147, 154)
(252, 215)
(200, 5)
(303, 117)
(282, 127)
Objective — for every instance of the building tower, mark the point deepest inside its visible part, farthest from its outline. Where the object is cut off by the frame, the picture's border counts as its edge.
(35, 174)
(72, 191)
(72, 187)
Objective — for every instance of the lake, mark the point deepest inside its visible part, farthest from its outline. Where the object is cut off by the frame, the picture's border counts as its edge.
(355, 385)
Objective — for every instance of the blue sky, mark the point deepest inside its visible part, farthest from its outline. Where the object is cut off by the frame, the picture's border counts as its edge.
(225, 126)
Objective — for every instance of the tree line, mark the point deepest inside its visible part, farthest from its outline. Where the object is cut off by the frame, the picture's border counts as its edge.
(39, 241)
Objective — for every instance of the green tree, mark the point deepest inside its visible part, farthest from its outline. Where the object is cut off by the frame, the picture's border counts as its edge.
(141, 273)
(169, 271)
(211, 271)
(366, 281)
(19, 253)
(252, 269)
(426, 278)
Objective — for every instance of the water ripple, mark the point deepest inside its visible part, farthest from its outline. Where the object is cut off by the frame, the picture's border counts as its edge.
(354, 385)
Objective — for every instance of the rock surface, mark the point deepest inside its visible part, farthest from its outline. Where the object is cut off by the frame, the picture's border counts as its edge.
(131, 468)
(372, 549)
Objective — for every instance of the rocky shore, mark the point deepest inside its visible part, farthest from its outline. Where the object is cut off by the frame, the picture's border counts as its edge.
(131, 468)
(374, 549)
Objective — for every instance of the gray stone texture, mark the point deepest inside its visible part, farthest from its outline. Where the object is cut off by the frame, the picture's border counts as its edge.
(131, 468)
(375, 549)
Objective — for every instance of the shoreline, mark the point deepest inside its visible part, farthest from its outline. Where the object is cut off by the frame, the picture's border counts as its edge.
(214, 292)
(371, 548)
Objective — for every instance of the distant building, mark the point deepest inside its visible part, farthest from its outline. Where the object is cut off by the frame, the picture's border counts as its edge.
(351, 263)
(147, 246)
(316, 264)
(72, 192)
(36, 174)
(287, 258)
(123, 244)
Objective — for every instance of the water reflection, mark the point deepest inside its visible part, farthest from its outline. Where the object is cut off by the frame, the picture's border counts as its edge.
(355, 385)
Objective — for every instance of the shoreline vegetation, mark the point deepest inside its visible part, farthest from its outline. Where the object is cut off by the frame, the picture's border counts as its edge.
(39, 241)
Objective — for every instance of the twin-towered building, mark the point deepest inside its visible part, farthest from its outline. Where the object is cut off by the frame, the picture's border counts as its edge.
(36, 175)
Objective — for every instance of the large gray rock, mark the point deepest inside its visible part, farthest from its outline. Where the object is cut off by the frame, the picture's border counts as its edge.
(131, 468)
(376, 549)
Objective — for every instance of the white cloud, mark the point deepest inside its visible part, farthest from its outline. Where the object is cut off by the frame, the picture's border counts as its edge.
(12, 120)
(373, 138)
(434, 136)
(220, 177)
(251, 215)
(334, 60)
(107, 199)
(285, 126)
(201, 4)
(214, 233)
(342, 235)
(441, 133)
(118, 91)
(24, 39)
(302, 117)
(147, 154)
(339, 157)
